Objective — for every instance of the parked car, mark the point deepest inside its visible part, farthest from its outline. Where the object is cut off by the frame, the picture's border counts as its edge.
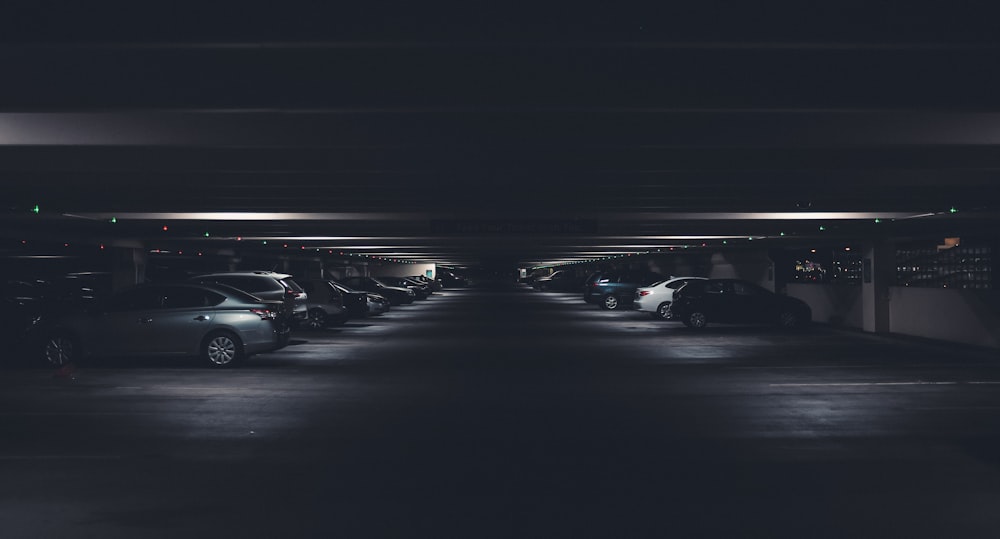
(326, 304)
(422, 290)
(219, 323)
(377, 304)
(435, 284)
(18, 320)
(612, 291)
(266, 285)
(359, 303)
(655, 299)
(701, 302)
(395, 294)
(450, 279)
(560, 281)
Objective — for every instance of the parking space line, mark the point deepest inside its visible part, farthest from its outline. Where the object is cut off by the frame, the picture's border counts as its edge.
(856, 384)
(60, 457)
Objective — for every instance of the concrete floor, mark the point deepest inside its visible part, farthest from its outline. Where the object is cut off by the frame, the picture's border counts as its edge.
(514, 414)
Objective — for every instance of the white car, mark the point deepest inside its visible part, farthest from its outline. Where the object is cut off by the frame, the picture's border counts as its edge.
(655, 299)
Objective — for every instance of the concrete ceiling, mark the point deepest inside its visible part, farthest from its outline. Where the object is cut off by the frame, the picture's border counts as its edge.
(525, 136)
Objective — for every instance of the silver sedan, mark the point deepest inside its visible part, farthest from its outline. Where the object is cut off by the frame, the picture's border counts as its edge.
(219, 323)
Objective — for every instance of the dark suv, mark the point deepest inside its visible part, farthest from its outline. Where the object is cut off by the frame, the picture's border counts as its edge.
(615, 290)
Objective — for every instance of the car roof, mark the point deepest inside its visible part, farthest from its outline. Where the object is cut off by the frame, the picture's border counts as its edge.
(672, 279)
(215, 287)
(247, 273)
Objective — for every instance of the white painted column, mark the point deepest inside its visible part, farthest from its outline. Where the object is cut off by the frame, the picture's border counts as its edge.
(878, 274)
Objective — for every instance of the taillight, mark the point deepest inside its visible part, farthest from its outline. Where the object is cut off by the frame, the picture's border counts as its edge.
(292, 294)
(644, 292)
(265, 314)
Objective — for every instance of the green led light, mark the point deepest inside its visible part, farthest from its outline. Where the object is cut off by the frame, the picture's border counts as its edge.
(36, 209)
(206, 234)
(782, 234)
(264, 242)
(878, 220)
(114, 219)
(822, 228)
(952, 210)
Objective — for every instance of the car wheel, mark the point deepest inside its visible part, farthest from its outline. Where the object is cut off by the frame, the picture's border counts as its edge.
(316, 319)
(789, 319)
(609, 302)
(696, 320)
(663, 311)
(60, 349)
(222, 349)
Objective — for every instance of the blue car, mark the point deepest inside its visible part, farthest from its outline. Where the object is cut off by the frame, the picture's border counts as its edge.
(616, 290)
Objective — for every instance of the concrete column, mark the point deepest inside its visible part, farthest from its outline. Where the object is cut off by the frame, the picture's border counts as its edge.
(129, 267)
(878, 274)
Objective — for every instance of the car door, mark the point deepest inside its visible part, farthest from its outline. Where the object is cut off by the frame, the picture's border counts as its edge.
(750, 303)
(123, 326)
(184, 317)
(715, 301)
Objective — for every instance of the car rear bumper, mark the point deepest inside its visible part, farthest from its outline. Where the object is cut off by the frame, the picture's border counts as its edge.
(266, 341)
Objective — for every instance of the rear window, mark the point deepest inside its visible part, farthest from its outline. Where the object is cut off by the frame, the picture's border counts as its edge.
(237, 294)
(184, 297)
(290, 284)
(244, 282)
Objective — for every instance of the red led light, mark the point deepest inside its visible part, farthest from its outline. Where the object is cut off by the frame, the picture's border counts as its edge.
(165, 228)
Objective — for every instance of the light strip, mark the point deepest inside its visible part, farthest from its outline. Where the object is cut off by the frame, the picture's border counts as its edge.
(361, 216)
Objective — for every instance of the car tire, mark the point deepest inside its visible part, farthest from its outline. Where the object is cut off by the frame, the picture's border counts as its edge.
(663, 311)
(317, 319)
(789, 320)
(222, 349)
(695, 320)
(610, 302)
(60, 349)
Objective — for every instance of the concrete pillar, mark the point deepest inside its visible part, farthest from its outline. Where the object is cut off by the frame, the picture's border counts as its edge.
(128, 268)
(878, 273)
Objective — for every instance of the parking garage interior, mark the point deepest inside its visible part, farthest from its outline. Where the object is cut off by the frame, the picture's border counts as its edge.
(843, 158)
